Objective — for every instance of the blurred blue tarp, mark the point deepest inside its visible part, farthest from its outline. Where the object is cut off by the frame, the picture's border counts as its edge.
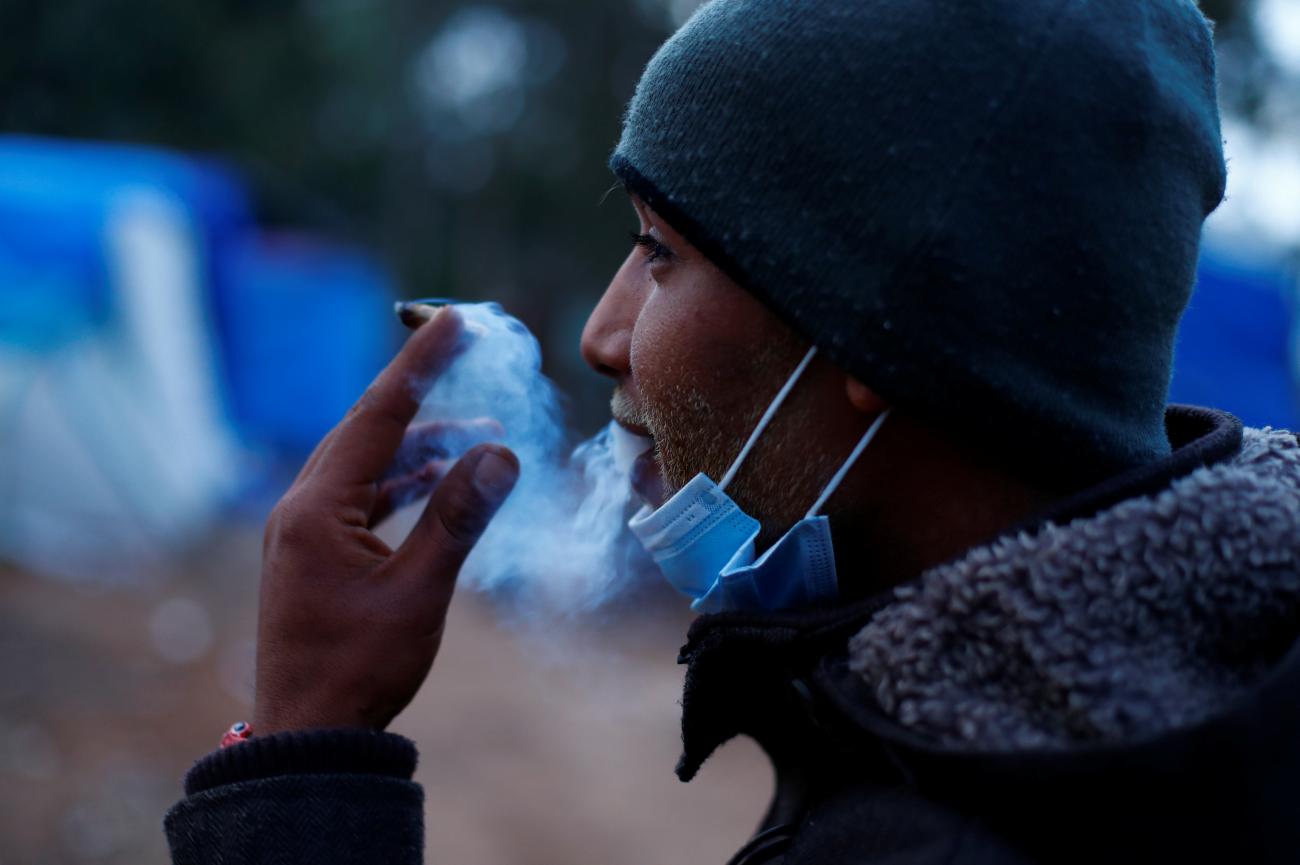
(1236, 342)
(56, 198)
(149, 338)
(305, 328)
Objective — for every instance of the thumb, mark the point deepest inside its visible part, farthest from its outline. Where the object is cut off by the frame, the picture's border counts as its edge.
(457, 513)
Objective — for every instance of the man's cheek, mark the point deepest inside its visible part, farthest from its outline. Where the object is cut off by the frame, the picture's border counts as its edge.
(649, 334)
(675, 353)
(654, 358)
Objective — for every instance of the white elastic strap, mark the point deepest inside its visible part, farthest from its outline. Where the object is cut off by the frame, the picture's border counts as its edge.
(835, 481)
(767, 417)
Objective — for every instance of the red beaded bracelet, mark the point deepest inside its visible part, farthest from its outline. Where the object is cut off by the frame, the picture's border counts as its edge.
(239, 732)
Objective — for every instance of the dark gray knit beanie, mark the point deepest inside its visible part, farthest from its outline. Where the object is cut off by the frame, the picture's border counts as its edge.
(987, 210)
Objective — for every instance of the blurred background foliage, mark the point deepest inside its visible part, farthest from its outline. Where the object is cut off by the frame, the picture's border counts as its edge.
(465, 143)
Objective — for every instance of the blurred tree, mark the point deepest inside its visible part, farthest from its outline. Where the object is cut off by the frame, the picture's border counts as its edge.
(465, 141)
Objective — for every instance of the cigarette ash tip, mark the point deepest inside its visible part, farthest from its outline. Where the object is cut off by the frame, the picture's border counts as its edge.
(415, 313)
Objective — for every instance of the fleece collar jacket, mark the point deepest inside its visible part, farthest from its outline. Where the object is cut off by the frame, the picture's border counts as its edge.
(1118, 680)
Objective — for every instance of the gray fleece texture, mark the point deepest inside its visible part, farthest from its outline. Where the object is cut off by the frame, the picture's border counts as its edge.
(1142, 618)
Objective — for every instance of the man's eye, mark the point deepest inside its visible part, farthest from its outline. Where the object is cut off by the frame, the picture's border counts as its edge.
(655, 251)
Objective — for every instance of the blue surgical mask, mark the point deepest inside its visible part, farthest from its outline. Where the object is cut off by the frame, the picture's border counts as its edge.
(705, 545)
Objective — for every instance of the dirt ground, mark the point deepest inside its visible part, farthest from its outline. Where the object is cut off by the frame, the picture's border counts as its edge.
(533, 750)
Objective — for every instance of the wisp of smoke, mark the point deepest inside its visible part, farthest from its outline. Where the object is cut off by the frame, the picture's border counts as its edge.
(560, 540)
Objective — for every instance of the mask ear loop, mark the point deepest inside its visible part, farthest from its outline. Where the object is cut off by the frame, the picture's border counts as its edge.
(767, 417)
(839, 476)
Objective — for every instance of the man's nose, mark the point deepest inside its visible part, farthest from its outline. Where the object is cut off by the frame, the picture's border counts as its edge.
(607, 338)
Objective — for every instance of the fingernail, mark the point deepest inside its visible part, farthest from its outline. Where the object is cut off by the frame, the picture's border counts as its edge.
(495, 476)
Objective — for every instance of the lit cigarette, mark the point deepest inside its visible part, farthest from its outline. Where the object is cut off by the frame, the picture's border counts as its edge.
(414, 313)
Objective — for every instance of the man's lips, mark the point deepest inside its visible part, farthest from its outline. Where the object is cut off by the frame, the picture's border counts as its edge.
(644, 474)
(626, 412)
(634, 429)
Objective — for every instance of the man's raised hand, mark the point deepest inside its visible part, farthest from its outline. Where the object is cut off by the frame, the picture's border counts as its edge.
(347, 627)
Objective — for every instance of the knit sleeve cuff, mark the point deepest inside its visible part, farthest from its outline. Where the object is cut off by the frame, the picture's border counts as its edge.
(305, 752)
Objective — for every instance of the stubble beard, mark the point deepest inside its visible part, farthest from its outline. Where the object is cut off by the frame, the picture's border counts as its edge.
(779, 480)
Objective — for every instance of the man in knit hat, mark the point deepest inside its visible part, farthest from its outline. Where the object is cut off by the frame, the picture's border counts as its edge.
(899, 319)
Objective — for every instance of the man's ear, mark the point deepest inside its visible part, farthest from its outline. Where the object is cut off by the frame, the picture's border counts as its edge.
(863, 398)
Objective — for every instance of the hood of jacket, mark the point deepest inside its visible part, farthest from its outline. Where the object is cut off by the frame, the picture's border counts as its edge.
(1150, 615)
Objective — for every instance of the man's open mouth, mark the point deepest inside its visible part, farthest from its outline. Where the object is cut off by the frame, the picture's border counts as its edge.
(647, 479)
(634, 429)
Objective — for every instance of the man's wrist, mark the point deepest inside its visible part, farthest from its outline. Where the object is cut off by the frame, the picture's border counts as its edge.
(305, 752)
(270, 723)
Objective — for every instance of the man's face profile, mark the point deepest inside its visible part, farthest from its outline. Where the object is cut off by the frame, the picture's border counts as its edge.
(696, 359)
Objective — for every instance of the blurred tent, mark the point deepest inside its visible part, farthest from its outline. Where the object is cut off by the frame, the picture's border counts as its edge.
(1237, 342)
(138, 304)
(305, 326)
(110, 420)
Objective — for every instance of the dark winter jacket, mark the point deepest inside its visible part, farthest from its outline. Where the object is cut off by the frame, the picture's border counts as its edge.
(1118, 681)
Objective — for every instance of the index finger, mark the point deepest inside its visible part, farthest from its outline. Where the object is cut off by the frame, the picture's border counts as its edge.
(364, 443)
